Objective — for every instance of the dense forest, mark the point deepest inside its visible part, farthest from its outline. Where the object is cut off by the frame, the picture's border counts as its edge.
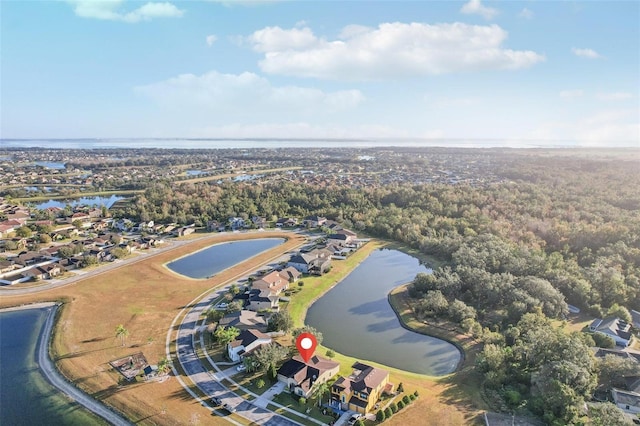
(556, 230)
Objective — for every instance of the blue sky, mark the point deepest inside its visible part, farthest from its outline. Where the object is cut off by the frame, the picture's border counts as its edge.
(541, 71)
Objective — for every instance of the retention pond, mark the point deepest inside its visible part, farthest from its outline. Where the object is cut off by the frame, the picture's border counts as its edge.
(356, 319)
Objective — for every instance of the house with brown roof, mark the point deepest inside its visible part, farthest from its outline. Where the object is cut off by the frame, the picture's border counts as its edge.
(300, 377)
(275, 282)
(246, 342)
(361, 390)
(244, 320)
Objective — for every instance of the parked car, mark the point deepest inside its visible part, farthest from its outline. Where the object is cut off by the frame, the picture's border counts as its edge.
(216, 401)
(241, 367)
(222, 305)
(354, 418)
(228, 407)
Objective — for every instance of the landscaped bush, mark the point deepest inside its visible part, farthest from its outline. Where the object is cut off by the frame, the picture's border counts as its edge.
(302, 401)
(394, 407)
(260, 383)
(412, 397)
(380, 416)
(388, 413)
(416, 394)
(406, 399)
(401, 405)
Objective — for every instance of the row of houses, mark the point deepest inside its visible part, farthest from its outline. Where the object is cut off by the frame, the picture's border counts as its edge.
(358, 392)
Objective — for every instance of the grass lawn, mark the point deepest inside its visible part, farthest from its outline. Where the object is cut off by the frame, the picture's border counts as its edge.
(288, 401)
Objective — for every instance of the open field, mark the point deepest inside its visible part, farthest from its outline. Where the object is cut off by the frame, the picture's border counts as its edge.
(145, 297)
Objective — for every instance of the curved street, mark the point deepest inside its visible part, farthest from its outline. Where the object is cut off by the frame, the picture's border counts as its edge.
(210, 383)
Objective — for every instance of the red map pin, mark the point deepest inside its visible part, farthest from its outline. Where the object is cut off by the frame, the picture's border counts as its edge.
(306, 344)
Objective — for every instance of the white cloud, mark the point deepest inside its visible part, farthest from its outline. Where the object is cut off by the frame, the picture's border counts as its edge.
(246, 94)
(211, 39)
(571, 94)
(271, 39)
(605, 128)
(586, 53)
(614, 96)
(474, 7)
(612, 127)
(526, 14)
(391, 50)
(112, 10)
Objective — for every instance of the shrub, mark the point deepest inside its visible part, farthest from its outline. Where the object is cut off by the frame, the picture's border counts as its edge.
(400, 388)
(416, 394)
(400, 405)
(388, 413)
(412, 397)
(406, 399)
(302, 401)
(300, 283)
(394, 407)
(330, 353)
(260, 383)
(380, 416)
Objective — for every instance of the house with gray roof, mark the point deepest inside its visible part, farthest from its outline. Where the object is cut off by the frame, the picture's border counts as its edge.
(613, 327)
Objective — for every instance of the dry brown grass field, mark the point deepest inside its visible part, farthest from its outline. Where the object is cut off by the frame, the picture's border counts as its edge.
(146, 297)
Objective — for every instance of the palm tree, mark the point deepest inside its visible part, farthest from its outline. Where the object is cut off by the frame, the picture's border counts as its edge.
(321, 389)
(122, 333)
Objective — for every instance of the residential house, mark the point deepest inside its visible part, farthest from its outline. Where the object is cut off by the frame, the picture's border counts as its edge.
(70, 264)
(247, 341)
(244, 320)
(259, 222)
(83, 218)
(342, 237)
(286, 222)
(362, 389)
(185, 230)
(627, 401)
(314, 221)
(613, 327)
(315, 262)
(300, 376)
(266, 290)
(214, 225)
(292, 274)
(6, 266)
(275, 282)
(236, 223)
(43, 272)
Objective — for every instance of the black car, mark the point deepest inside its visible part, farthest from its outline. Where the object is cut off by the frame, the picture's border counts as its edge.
(216, 401)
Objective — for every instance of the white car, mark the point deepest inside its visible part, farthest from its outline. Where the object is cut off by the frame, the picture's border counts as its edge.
(222, 305)
(241, 367)
(354, 418)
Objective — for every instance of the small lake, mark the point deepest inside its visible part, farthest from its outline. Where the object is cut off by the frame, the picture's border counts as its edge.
(356, 319)
(50, 165)
(26, 398)
(84, 201)
(219, 257)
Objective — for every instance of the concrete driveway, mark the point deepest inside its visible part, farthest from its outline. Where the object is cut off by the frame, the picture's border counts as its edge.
(264, 399)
